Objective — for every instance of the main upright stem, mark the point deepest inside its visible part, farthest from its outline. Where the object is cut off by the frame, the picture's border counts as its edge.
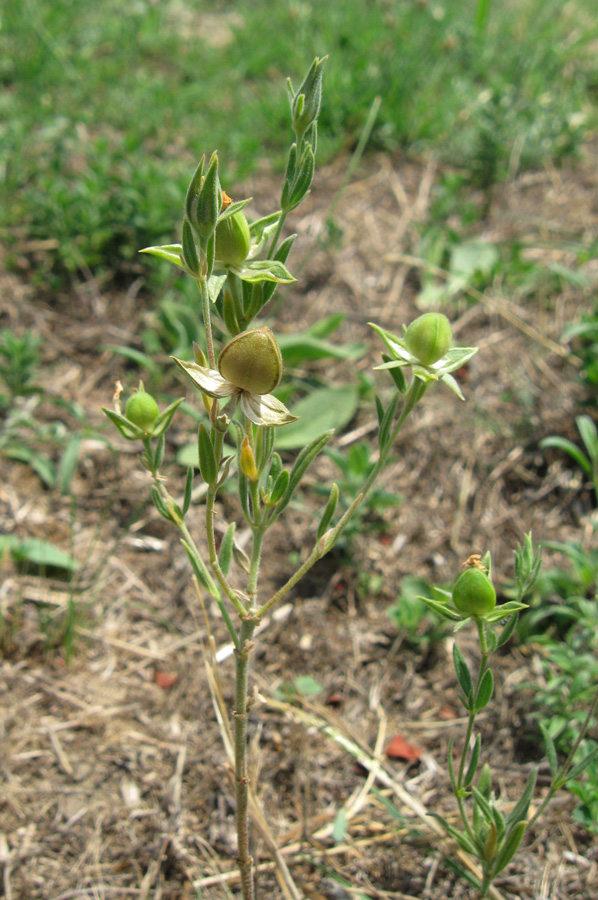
(241, 767)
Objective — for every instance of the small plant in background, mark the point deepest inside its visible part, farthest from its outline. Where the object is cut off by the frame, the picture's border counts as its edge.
(485, 833)
(587, 461)
(237, 266)
(24, 432)
(420, 625)
(562, 623)
(585, 334)
(19, 359)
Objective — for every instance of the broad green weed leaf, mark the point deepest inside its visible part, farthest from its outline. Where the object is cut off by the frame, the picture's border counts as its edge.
(329, 408)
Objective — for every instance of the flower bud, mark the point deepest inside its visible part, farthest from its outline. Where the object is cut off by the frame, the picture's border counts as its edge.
(141, 410)
(429, 337)
(473, 593)
(306, 101)
(232, 240)
(248, 466)
(252, 361)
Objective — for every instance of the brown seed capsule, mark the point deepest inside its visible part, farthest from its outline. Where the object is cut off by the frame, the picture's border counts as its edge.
(252, 361)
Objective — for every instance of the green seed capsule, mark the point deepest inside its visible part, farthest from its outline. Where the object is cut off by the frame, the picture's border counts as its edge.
(232, 240)
(473, 593)
(429, 337)
(252, 361)
(141, 410)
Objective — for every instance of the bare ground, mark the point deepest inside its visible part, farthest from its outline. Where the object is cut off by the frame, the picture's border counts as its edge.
(115, 781)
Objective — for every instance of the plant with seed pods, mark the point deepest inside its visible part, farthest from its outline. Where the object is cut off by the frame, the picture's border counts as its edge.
(237, 266)
(486, 833)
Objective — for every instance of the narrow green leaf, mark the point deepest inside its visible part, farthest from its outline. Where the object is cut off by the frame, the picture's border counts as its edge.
(170, 252)
(280, 486)
(127, 429)
(589, 436)
(509, 848)
(387, 421)
(503, 610)
(233, 208)
(159, 452)
(452, 384)
(581, 766)
(520, 810)
(473, 762)
(302, 463)
(226, 548)
(190, 254)
(160, 504)
(442, 609)
(329, 511)
(460, 837)
(304, 179)
(397, 375)
(163, 420)
(450, 764)
(263, 270)
(244, 495)
(193, 190)
(281, 255)
(68, 465)
(462, 673)
(199, 569)
(43, 555)
(208, 465)
(550, 749)
(215, 285)
(484, 691)
(508, 629)
(483, 803)
(188, 490)
(572, 449)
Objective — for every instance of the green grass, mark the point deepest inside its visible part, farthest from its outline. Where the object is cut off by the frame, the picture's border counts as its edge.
(106, 107)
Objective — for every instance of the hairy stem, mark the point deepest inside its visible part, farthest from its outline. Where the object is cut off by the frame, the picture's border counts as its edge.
(207, 319)
(241, 765)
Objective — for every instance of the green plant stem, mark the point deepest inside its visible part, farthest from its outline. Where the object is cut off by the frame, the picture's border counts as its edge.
(213, 555)
(207, 319)
(241, 766)
(277, 233)
(414, 394)
(317, 553)
(470, 727)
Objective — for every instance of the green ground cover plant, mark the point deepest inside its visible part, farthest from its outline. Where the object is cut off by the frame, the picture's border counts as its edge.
(93, 94)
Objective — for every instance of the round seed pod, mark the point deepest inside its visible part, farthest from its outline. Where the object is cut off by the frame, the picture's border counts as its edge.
(252, 361)
(141, 410)
(473, 593)
(232, 240)
(429, 337)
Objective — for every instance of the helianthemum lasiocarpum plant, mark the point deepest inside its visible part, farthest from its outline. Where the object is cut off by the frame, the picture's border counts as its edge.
(237, 265)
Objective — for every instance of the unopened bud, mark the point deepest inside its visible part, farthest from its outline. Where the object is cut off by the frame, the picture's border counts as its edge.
(142, 409)
(473, 593)
(248, 466)
(232, 240)
(429, 337)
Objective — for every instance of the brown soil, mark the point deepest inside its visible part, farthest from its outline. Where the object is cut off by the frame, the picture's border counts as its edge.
(115, 779)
